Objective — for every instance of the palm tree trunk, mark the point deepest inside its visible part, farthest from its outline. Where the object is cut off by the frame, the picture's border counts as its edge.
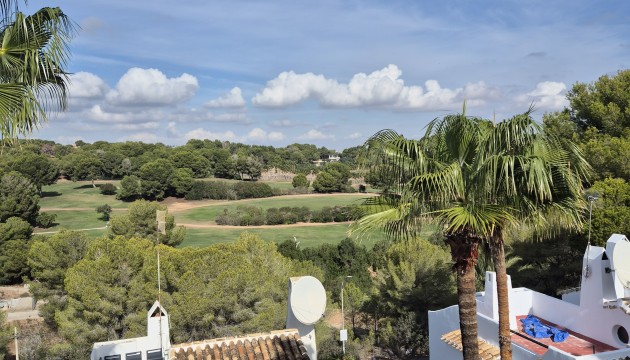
(498, 257)
(468, 314)
(464, 251)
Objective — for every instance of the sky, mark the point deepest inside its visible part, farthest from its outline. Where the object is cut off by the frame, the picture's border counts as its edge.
(330, 73)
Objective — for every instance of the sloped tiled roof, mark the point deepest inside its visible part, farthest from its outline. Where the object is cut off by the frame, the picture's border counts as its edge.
(486, 351)
(276, 345)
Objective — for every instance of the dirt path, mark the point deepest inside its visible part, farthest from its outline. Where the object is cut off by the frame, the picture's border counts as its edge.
(177, 205)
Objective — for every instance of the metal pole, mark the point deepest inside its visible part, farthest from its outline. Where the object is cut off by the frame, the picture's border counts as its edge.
(343, 320)
(17, 351)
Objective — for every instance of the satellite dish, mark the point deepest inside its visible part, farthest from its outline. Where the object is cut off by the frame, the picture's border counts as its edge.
(308, 299)
(620, 257)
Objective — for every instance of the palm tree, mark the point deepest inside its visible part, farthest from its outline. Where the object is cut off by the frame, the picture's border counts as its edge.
(438, 181)
(33, 54)
(539, 179)
(475, 178)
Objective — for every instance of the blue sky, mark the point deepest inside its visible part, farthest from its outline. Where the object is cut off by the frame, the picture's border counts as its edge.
(330, 73)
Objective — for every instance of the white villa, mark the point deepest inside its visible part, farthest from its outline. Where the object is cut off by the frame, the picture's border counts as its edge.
(596, 316)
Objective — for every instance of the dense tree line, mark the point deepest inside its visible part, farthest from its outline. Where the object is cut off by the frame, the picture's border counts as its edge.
(252, 216)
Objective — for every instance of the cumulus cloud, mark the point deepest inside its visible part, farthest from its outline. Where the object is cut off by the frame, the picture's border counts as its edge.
(315, 135)
(98, 114)
(200, 133)
(256, 135)
(140, 87)
(382, 88)
(144, 137)
(86, 85)
(171, 130)
(196, 115)
(353, 136)
(260, 135)
(233, 99)
(548, 95)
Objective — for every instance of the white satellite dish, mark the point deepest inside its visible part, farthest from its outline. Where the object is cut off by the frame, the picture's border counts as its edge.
(308, 299)
(620, 256)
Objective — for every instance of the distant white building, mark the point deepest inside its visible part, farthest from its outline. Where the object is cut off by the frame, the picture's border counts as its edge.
(150, 347)
(328, 158)
(596, 316)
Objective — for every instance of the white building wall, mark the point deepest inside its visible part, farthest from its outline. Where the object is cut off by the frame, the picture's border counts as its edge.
(442, 322)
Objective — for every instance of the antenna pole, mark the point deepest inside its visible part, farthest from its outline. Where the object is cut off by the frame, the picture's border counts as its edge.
(159, 287)
(587, 271)
(17, 351)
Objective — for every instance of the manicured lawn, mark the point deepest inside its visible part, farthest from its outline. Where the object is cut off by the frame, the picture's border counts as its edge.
(78, 194)
(75, 220)
(308, 236)
(209, 213)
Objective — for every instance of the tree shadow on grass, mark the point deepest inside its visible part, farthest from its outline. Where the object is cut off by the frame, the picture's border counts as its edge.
(87, 186)
(50, 194)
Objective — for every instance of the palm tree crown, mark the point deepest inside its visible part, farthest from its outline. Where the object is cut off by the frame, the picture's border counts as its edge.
(33, 54)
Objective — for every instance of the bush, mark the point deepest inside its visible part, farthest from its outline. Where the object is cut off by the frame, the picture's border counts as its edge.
(242, 216)
(215, 190)
(106, 210)
(46, 220)
(108, 189)
(324, 215)
(251, 190)
(300, 181)
(362, 188)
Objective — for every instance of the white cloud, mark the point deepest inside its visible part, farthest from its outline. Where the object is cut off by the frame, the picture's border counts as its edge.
(140, 126)
(382, 89)
(152, 87)
(97, 114)
(171, 130)
(275, 136)
(260, 135)
(548, 95)
(233, 99)
(354, 135)
(143, 137)
(256, 135)
(204, 134)
(315, 135)
(86, 85)
(195, 115)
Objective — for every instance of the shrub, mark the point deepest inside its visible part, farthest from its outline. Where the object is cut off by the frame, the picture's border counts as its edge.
(242, 216)
(215, 190)
(106, 210)
(46, 220)
(362, 188)
(250, 190)
(324, 215)
(108, 189)
(300, 181)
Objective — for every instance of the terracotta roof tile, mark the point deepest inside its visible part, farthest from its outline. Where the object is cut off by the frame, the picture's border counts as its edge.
(486, 351)
(277, 345)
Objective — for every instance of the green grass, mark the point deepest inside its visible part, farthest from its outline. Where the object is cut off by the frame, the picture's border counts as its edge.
(209, 213)
(308, 236)
(78, 194)
(75, 220)
(65, 196)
